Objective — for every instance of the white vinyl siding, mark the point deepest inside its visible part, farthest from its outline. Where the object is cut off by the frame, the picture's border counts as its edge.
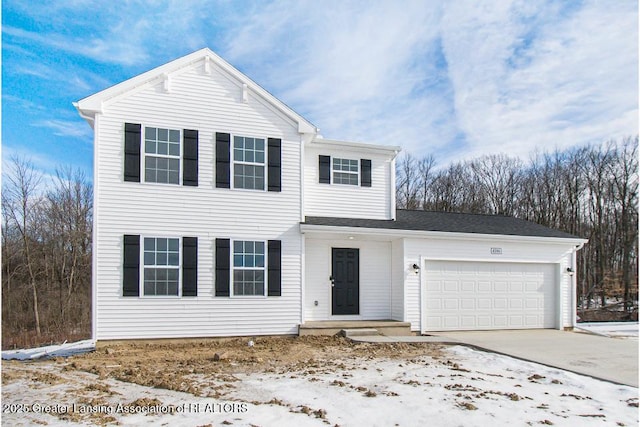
(209, 103)
(375, 279)
(349, 201)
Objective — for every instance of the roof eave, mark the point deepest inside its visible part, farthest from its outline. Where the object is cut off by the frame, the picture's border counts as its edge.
(452, 235)
(391, 149)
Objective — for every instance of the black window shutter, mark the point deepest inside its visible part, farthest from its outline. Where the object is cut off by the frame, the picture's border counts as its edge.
(189, 266)
(132, 133)
(274, 154)
(222, 267)
(365, 172)
(324, 165)
(223, 171)
(274, 268)
(190, 157)
(131, 270)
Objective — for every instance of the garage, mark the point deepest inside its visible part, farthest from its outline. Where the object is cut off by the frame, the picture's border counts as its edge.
(464, 295)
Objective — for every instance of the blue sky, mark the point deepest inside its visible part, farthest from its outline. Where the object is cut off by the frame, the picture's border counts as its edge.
(453, 79)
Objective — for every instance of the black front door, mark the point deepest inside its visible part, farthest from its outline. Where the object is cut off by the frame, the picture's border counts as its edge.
(345, 281)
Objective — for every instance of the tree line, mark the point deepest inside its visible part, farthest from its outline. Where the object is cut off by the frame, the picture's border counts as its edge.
(590, 192)
(46, 255)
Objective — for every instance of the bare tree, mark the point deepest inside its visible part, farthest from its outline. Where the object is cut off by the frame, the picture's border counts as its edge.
(21, 203)
(498, 176)
(407, 182)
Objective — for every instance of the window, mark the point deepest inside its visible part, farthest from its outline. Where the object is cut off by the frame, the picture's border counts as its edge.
(345, 171)
(248, 163)
(162, 155)
(248, 268)
(161, 266)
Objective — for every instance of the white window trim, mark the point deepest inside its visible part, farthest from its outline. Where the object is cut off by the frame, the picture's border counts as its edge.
(357, 173)
(234, 161)
(143, 157)
(142, 267)
(233, 268)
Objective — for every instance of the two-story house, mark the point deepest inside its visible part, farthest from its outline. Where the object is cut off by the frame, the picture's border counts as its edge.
(219, 211)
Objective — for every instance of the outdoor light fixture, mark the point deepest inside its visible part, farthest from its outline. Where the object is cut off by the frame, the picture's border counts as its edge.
(570, 271)
(416, 267)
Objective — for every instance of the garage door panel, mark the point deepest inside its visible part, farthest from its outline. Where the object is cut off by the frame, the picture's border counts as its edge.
(499, 303)
(499, 286)
(450, 286)
(476, 295)
(484, 304)
(516, 287)
(516, 304)
(533, 304)
(468, 304)
(450, 304)
(484, 286)
(468, 286)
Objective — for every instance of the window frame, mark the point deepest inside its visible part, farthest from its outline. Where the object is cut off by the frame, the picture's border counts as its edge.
(142, 293)
(143, 149)
(233, 268)
(357, 173)
(233, 162)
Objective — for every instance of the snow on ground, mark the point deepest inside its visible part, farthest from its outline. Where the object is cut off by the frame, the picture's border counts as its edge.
(612, 329)
(60, 350)
(465, 387)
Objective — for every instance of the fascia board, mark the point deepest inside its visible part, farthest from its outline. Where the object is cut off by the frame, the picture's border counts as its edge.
(442, 235)
(390, 149)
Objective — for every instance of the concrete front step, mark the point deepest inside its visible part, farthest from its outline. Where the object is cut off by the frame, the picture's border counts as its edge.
(333, 327)
(362, 332)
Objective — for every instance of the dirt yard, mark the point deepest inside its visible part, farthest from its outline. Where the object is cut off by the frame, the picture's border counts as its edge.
(172, 366)
(303, 381)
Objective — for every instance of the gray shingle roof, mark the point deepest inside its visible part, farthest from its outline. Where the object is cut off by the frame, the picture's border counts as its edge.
(447, 222)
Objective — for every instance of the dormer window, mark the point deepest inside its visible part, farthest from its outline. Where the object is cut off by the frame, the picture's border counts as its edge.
(345, 171)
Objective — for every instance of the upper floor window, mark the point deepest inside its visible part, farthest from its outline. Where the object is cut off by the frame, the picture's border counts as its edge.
(345, 171)
(161, 266)
(248, 163)
(248, 267)
(162, 155)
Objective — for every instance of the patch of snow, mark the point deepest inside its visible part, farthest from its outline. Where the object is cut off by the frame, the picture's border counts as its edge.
(464, 387)
(63, 350)
(611, 329)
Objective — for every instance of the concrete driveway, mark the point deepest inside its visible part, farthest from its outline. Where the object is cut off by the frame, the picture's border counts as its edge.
(610, 359)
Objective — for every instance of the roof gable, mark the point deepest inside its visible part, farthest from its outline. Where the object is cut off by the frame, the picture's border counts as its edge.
(205, 58)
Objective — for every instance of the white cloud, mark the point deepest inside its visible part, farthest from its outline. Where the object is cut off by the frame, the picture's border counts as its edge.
(357, 70)
(75, 129)
(456, 78)
(575, 81)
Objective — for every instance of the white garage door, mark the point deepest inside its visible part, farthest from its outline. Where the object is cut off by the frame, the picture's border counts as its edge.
(487, 295)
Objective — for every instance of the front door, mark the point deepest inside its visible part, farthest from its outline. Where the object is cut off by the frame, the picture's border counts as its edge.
(345, 281)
